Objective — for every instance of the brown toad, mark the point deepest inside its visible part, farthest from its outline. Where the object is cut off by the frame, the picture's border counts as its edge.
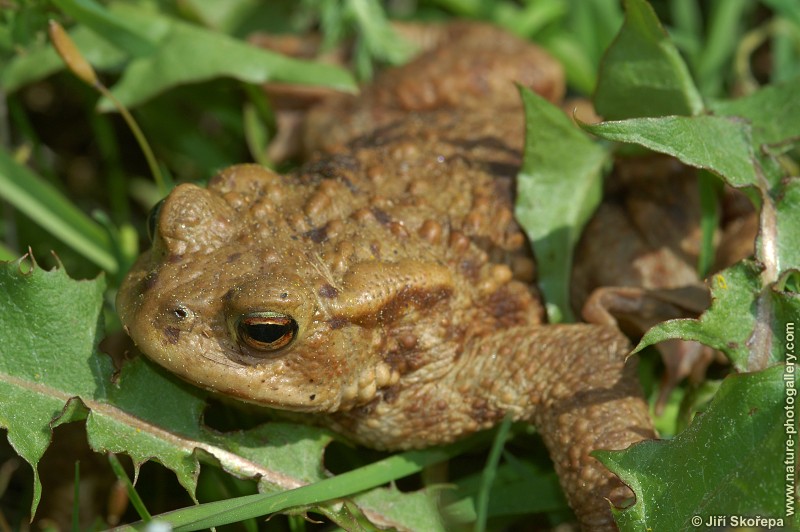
(385, 288)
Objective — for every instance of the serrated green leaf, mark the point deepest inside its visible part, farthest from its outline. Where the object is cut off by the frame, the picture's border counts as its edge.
(728, 462)
(46, 206)
(719, 144)
(150, 417)
(773, 112)
(558, 188)
(189, 54)
(642, 73)
(285, 449)
(727, 324)
(49, 329)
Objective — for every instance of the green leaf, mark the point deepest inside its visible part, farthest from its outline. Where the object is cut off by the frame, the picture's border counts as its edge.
(785, 302)
(189, 54)
(727, 324)
(119, 31)
(643, 73)
(416, 510)
(787, 208)
(719, 144)
(728, 462)
(49, 329)
(6, 253)
(558, 188)
(46, 206)
(515, 481)
(40, 62)
(773, 112)
(286, 450)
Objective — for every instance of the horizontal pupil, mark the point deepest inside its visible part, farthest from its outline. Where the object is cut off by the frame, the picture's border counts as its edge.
(267, 332)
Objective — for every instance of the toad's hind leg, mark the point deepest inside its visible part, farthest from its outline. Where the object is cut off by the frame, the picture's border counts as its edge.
(574, 383)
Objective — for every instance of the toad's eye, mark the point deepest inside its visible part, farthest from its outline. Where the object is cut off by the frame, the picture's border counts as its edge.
(152, 220)
(266, 331)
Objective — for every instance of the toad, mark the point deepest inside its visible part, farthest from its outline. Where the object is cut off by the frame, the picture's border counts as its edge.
(384, 288)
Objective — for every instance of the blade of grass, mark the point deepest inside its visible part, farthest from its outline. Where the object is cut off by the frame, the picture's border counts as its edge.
(133, 495)
(46, 206)
(709, 187)
(723, 33)
(489, 473)
(687, 30)
(376, 474)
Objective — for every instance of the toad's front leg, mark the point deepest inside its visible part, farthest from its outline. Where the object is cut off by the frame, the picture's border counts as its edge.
(573, 382)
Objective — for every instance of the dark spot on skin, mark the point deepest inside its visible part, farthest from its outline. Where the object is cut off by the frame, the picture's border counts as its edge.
(331, 168)
(312, 397)
(327, 291)
(228, 295)
(317, 235)
(375, 250)
(369, 408)
(348, 184)
(405, 361)
(508, 307)
(284, 295)
(172, 334)
(175, 259)
(233, 257)
(501, 169)
(390, 134)
(390, 395)
(486, 142)
(412, 297)
(181, 313)
(381, 216)
(337, 322)
(483, 413)
(150, 281)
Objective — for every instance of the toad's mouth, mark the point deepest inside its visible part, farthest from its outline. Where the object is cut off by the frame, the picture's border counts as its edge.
(272, 383)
